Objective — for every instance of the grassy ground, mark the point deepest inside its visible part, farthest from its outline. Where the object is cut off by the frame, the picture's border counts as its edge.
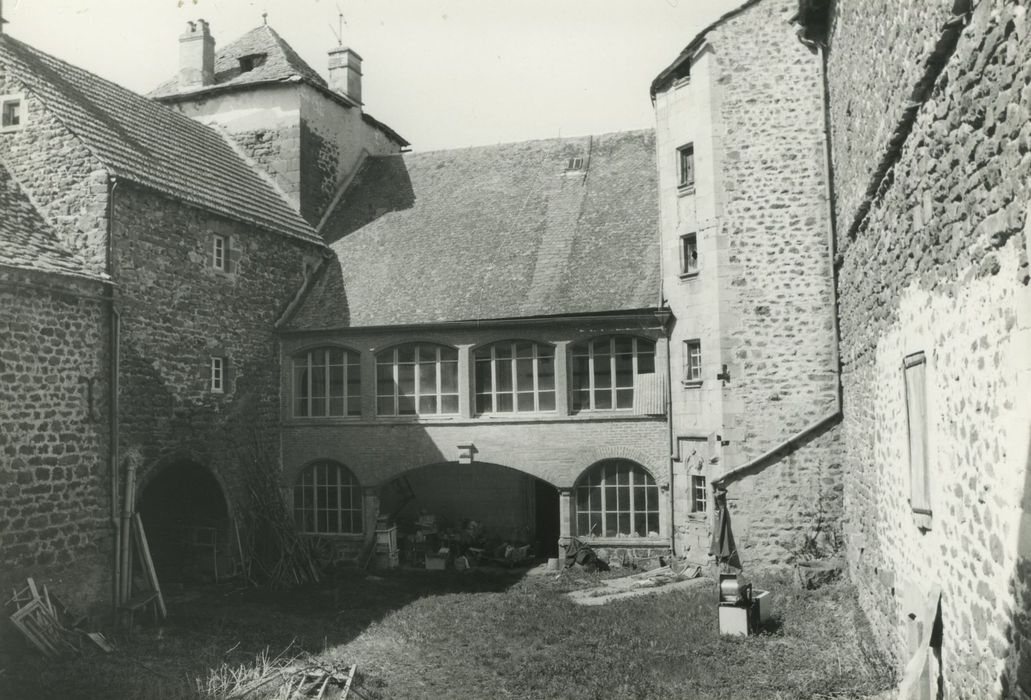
(477, 634)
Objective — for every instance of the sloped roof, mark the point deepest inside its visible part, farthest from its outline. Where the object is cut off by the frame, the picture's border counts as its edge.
(147, 143)
(281, 63)
(26, 239)
(492, 233)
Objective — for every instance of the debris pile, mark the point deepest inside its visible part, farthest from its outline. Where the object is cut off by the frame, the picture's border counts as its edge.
(48, 625)
(437, 544)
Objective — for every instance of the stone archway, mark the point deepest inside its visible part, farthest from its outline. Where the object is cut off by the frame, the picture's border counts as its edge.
(188, 522)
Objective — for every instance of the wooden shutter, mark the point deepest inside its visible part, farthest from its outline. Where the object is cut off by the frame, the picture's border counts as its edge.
(650, 394)
(915, 369)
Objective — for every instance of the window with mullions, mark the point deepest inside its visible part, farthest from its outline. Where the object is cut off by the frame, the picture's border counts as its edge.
(417, 379)
(328, 500)
(617, 498)
(604, 370)
(515, 377)
(699, 494)
(327, 383)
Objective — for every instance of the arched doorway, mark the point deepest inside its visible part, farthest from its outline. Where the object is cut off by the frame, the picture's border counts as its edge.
(186, 518)
(495, 504)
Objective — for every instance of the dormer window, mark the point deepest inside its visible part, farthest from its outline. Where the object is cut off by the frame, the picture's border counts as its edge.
(574, 164)
(251, 61)
(12, 112)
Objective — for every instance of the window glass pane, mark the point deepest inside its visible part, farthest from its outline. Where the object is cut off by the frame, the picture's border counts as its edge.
(483, 380)
(406, 380)
(336, 406)
(406, 405)
(449, 403)
(385, 406)
(624, 398)
(583, 526)
(581, 400)
(581, 368)
(301, 390)
(653, 523)
(504, 403)
(546, 401)
(503, 375)
(579, 351)
(611, 524)
(525, 402)
(354, 405)
(594, 496)
(524, 375)
(406, 353)
(546, 373)
(625, 371)
(602, 372)
(336, 380)
(603, 399)
(503, 351)
(448, 355)
(427, 378)
(318, 358)
(428, 404)
(624, 345)
(484, 404)
(581, 498)
(482, 353)
(384, 379)
(336, 356)
(624, 524)
(524, 349)
(449, 377)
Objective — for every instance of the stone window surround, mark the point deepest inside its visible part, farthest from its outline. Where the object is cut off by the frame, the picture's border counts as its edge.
(23, 111)
(689, 242)
(699, 493)
(220, 247)
(218, 367)
(686, 170)
(692, 363)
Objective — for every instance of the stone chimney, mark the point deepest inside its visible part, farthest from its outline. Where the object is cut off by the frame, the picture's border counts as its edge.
(196, 56)
(345, 73)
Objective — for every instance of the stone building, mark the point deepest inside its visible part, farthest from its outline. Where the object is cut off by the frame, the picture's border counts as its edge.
(746, 269)
(930, 134)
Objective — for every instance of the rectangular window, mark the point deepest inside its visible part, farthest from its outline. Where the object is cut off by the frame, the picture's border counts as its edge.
(218, 374)
(692, 360)
(219, 253)
(699, 494)
(685, 166)
(689, 254)
(914, 367)
(11, 113)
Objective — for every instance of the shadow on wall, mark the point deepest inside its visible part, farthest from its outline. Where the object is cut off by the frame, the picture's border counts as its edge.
(1016, 675)
(380, 187)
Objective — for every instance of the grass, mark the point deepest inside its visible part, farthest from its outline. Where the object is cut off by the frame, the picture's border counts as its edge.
(476, 634)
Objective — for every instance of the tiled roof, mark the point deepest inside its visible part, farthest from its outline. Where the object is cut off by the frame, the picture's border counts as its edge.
(491, 233)
(26, 239)
(142, 141)
(281, 63)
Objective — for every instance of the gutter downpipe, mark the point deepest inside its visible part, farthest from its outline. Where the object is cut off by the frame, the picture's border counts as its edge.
(665, 316)
(115, 323)
(793, 442)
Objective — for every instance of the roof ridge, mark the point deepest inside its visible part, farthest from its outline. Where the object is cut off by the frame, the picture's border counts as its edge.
(555, 139)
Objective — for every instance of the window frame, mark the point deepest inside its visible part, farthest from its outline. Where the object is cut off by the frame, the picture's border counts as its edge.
(418, 395)
(606, 491)
(220, 252)
(513, 360)
(22, 112)
(217, 370)
(575, 389)
(346, 399)
(689, 241)
(693, 362)
(686, 176)
(918, 438)
(699, 494)
(352, 486)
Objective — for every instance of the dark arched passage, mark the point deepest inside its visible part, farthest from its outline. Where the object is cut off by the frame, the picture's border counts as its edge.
(186, 518)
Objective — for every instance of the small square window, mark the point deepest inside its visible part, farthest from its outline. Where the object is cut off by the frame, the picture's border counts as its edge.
(11, 113)
(575, 164)
(685, 166)
(699, 494)
(218, 375)
(689, 254)
(692, 360)
(220, 253)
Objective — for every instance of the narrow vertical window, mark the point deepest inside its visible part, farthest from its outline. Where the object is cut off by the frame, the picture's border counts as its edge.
(689, 254)
(699, 494)
(218, 374)
(692, 360)
(685, 166)
(915, 369)
(218, 252)
(10, 113)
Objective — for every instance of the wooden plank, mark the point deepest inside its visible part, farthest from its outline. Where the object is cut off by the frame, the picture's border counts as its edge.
(101, 641)
(347, 685)
(917, 428)
(148, 563)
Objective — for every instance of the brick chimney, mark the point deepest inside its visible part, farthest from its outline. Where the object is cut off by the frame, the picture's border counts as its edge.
(196, 56)
(345, 73)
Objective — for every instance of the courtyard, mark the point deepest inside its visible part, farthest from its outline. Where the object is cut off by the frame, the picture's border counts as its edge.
(481, 633)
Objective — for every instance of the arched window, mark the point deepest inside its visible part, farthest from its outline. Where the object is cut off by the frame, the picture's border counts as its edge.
(417, 379)
(604, 370)
(327, 382)
(328, 500)
(515, 376)
(617, 498)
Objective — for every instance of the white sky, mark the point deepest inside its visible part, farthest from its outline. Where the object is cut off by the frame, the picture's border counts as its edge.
(443, 73)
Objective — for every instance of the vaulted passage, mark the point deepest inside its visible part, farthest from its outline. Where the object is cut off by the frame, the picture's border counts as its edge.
(187, 523)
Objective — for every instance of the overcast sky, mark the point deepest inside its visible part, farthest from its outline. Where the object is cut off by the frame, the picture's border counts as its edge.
(443, 73)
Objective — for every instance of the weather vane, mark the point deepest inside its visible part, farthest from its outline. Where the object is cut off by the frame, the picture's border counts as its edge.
(339, 31)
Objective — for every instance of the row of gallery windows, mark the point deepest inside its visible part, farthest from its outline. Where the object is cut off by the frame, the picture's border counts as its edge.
(613, 498)
(511, 376)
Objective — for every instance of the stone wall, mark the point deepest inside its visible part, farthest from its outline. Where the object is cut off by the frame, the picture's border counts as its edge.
(54, 494)
(939, 265)
(178, 311)
(762, 301)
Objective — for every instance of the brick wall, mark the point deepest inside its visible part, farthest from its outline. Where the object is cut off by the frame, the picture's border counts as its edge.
(939, 266)
(762, 300)
(53, 442)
